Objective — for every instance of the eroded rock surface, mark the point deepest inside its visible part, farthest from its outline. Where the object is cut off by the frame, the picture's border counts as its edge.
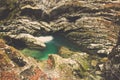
(112, 67)
(30, 41)
(14, 65)
(92, 25)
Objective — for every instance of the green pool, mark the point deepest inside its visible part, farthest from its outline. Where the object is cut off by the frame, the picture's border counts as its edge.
(52, 47)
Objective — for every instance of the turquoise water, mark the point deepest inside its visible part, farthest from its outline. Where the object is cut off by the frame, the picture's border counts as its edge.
(52, 47)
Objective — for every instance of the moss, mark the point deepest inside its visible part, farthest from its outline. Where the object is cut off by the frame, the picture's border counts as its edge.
(82, 60)
(62, 67)
(67, 71)
(65, 52)
(3, 57)
(1, 35)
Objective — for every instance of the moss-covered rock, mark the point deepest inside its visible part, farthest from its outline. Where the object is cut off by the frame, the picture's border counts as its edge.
(65, 52)
(75, 67)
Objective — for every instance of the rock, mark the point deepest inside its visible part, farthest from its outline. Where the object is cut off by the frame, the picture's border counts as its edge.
(82, 59)
(105, 59)
(93, 77)
(6, 8)
(95, 46)
(98, 72)
(75, 66)
(91, 38)
(65, 52)
(101, 66)
(111, 67)
(31, 41)
(94, 63)
(2, 44)
(76, 20)
(92, 25)
(25, 25)
(61, 65)
(14, 65)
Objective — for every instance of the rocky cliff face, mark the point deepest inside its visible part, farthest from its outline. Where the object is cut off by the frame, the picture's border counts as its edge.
(112, 67)
(92, 25)
(13, 64)
(16, 66)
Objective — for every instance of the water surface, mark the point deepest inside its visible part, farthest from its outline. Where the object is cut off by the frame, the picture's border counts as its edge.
(53, 43)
